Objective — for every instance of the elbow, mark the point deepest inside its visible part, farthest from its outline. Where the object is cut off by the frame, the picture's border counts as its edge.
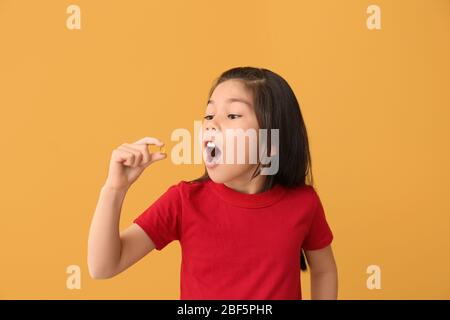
(98, 275)
(99, 272)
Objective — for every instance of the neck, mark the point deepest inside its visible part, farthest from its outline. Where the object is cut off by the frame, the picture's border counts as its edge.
(245, 185)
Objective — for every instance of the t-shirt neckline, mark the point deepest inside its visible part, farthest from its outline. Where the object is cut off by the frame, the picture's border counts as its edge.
(256, 200)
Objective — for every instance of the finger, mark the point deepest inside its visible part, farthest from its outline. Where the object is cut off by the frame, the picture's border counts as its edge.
(123, 156)
(150, 140)
(142, 148)
(137, 155)
(156, 156)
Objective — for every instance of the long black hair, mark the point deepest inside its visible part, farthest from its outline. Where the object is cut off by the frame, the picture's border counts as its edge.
(276, 107)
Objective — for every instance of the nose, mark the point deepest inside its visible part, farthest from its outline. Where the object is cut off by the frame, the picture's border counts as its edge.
(211, 126)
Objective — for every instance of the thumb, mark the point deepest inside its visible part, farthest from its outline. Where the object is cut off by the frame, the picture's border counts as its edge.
(157, 156)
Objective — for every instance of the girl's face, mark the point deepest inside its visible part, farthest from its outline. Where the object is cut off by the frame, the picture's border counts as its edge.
(231, 107)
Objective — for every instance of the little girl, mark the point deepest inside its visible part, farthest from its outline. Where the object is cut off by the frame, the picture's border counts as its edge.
(242, 233)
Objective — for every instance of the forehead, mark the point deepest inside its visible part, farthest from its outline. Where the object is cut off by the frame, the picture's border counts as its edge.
(234, 89)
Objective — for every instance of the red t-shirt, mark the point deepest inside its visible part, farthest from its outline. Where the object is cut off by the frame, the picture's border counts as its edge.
(236, 245)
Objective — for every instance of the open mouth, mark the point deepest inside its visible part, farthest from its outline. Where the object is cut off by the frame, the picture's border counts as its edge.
(212, 152)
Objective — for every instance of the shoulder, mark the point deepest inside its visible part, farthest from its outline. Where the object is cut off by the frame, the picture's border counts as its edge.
(306, 195)
(306, 191)
(188, 189)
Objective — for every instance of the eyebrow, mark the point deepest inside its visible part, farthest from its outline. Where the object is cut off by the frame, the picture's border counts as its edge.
(231, 100)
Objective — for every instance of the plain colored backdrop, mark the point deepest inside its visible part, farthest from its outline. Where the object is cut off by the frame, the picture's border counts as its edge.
(376, 105)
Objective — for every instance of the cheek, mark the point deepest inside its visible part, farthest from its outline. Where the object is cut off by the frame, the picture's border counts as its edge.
(252, 144)
(247, 149)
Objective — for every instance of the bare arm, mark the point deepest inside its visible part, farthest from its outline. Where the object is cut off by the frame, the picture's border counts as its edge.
(110, 251)
(324, 277)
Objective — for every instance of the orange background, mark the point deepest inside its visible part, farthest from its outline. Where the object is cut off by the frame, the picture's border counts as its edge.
(376, 104)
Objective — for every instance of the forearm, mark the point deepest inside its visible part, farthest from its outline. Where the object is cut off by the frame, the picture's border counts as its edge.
(324, 285)
(104, 243)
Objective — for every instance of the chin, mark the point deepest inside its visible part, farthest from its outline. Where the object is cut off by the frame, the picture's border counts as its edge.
(217, 175)
(223, 173)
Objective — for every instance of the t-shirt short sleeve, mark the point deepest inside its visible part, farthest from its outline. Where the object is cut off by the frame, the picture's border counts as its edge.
(162, 219)
(319, 235)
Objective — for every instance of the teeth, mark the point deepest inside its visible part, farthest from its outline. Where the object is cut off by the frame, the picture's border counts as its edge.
(212, 151)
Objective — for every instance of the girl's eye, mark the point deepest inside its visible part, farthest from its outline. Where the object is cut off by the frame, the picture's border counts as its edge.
(208, 117)
(234, 116)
